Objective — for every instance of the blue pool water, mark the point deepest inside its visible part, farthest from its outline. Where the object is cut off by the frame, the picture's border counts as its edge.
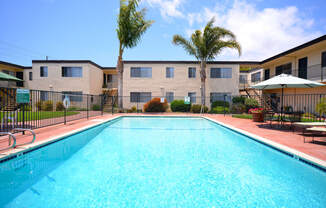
(159, 162)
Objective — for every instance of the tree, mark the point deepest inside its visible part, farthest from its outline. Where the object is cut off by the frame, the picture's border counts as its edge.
(205, 46)
(131, 26)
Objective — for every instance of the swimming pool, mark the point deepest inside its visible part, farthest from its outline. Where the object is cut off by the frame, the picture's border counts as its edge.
(159, 162)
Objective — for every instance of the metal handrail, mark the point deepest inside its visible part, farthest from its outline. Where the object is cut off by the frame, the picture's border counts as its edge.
(22, 130)
(10, 136)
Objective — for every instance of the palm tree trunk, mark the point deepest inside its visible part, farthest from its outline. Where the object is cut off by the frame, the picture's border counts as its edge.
(120, 79)
(203, 81)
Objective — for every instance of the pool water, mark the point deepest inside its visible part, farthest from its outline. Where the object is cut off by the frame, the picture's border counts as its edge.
(159, 162)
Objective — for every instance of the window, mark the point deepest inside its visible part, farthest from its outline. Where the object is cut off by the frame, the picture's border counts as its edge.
(109, 78)
(266, 74)
(71, 71)
(30, 76)
(169, 72)
(214, 96)
(73, 96)
(323, 59)
(243, 79)
(144, 72)
(169, 96)
(140, 97)
(284, 69)
(255, 77)
(221, 73)
(44, 95)
(11, 73)
(192, 96)
(192, 72)
(43, 71)
(20, 75)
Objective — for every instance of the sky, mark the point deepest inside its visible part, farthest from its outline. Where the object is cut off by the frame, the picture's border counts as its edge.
(86, 29)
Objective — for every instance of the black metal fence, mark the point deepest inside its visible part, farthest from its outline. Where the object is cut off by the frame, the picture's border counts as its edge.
(305, 103)
(45, 108)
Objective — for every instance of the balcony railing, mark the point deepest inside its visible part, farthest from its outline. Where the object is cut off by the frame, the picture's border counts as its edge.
(315, 73)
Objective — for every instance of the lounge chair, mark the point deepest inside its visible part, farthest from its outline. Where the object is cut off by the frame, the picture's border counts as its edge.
(319, 131)
(305, 125)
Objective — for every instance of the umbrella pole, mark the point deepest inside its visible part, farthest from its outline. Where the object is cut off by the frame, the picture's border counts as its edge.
(282, 105)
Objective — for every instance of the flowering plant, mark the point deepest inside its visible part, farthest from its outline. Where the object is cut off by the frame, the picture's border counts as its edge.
(256, 110)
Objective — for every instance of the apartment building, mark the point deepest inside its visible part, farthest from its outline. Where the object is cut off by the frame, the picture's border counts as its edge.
(13, 70)
(306, 61)
(73, 76)
(143, 80)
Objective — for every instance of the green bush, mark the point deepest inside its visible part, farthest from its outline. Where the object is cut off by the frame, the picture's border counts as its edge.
(220, 103)
(155, 105)
(96, 107)
(220, 110)
(196, 108)
(38, 105)
(59, 106)
(47, 105)
(180, 106)
(238, 99)
(133, 109)
(238, 108)
(251, 103)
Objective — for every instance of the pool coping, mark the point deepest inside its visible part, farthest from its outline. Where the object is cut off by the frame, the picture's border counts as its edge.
(282, 148)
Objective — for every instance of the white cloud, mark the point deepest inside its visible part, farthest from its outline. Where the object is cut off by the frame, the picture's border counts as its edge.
(168, 8)
(261, 33)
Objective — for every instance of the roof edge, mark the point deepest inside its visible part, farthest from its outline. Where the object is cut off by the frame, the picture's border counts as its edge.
(302, 46)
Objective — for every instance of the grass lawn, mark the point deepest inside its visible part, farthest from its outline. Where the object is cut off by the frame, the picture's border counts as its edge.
(249, 116)
(32, 116)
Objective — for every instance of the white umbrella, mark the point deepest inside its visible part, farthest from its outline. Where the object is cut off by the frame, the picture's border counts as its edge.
(286, 81)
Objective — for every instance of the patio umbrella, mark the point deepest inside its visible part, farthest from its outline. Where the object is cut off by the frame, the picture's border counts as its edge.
(286, 81)
(7, 77)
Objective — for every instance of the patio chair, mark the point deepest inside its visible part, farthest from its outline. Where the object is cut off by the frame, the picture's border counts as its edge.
(316, 131)
(293, 117)
(270, 116)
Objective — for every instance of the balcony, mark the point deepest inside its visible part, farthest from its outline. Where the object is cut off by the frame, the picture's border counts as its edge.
(314, 73)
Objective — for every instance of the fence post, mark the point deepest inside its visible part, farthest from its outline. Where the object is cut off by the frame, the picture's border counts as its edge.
(102, 103)
(23, 105)
(64, 115)
(87, 105)
(224, 104)
(112, 102)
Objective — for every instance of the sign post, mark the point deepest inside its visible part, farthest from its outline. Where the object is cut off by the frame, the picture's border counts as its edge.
(66, 104)
(187, 100)
(22, 97)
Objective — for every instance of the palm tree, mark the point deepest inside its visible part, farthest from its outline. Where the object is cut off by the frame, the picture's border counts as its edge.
(131, 26)
(205, 46)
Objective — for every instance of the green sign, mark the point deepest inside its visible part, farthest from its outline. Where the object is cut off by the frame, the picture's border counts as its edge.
(22, 96)
(187, 100)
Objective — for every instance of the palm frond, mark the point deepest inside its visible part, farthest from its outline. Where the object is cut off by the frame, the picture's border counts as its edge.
(187, 45)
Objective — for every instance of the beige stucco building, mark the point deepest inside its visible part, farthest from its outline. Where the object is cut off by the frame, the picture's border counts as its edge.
(143, 80)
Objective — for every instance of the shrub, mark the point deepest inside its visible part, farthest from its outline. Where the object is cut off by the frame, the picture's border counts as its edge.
(238, 108)
(220, 103)
(180, 106)
(96, 107)
(196, 108)
(321, 106)
(47, 105)
(39, 105)
(59, 106)
(220, 110)
(155, 105)
(238, 99)
(251, 103)
(133, 109)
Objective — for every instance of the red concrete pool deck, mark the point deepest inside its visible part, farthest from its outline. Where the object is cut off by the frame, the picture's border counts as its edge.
(283, 137)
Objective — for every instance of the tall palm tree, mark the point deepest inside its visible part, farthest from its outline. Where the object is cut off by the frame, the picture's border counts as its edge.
(205, 46)
(131, 26)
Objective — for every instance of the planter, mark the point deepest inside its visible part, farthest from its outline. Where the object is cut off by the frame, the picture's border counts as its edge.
(258, 117)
